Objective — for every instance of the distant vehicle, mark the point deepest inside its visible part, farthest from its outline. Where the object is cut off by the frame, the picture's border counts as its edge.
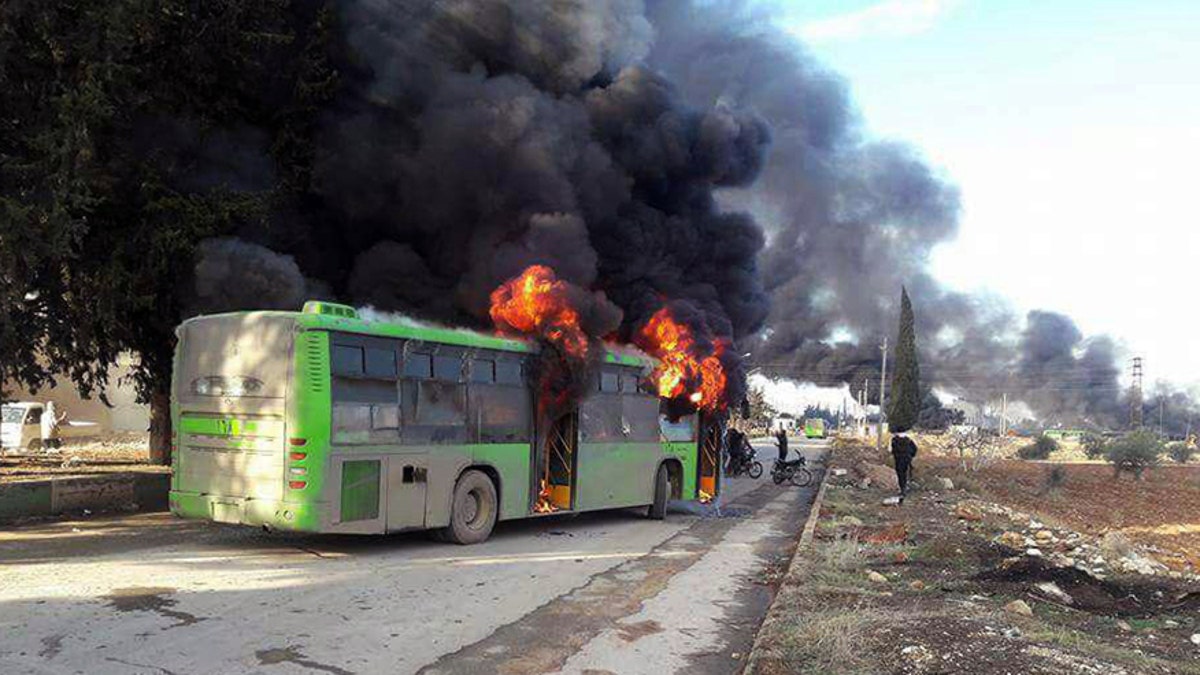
(1065, 434)
(321, 421)
(814, 427)
(21, 427)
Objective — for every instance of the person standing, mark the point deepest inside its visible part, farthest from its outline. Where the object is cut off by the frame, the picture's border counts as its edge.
(904, 449)
(49, 424)
(781, 443)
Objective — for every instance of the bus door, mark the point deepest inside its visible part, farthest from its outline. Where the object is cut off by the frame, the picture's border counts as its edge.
(708, 464)
(555, 478)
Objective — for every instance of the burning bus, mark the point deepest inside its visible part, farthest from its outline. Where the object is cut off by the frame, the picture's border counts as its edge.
(323, 421)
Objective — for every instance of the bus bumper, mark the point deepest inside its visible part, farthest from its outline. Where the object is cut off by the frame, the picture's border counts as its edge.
(276, 515)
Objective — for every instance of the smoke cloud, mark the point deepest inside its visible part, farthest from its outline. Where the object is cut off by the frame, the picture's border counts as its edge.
(666, 152)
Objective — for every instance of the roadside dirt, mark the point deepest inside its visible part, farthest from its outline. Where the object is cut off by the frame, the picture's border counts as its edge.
(916, 589)
(114, 454)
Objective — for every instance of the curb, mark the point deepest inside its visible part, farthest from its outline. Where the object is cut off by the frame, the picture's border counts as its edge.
(806, 537)
(106, 492)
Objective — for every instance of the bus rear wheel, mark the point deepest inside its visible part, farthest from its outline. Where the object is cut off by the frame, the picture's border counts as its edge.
(662, 491)
(473, 510)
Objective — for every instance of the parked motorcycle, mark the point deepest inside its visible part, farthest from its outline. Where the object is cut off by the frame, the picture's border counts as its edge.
(791, 471)
(745, 465)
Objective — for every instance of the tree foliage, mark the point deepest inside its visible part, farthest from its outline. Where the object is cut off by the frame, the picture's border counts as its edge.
(1094, 446)
(1041, 448)
(1135, 452)
(1181, 452)
(122, 128)
(905, 403)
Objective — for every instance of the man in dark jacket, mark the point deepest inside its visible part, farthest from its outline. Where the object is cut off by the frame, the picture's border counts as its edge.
(781, 443)
(903, 451)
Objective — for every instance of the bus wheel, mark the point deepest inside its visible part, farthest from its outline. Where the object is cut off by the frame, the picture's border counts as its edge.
(473, 511)
(662, 489)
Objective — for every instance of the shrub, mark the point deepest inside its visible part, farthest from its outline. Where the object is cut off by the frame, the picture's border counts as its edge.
(1180, 452)
(1135, 452)
(1056, 477)
(1094, 446)
(1039, 449)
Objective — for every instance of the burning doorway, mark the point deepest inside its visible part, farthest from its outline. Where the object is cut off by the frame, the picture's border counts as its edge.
(708, 463)
(557, 454)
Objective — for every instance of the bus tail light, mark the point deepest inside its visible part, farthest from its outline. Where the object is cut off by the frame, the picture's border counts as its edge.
(297, 456)
(297, 484)
(297, 471)
(298, 442)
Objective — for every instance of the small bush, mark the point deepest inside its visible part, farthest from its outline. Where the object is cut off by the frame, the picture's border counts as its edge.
(1135, 452)
(1180, 452)
(1056, 477)
(1094, 446)
(1039, 449)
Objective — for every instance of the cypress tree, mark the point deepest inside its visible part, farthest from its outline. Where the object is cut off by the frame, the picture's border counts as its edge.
(905, 403)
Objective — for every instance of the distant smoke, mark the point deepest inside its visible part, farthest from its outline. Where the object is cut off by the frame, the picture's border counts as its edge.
(232, 274)
(849, 220)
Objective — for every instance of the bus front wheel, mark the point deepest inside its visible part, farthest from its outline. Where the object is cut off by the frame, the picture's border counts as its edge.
(662, 491)
(473, 510)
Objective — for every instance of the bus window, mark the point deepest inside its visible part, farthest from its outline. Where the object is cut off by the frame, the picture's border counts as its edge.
(448, 368)
(608, 382)
(641, 416)
(629, 383)
(499, 415)
(483, 370)
(364, 411)
(347, 360)
(600, 420)
(683, 429)
(418, 365)
(433, 412)
(381, 362)
(508, 372)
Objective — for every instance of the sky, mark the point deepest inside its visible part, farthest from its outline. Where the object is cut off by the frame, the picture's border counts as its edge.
(1072, 129)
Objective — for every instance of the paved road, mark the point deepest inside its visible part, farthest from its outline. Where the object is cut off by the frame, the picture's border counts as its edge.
(596, 593)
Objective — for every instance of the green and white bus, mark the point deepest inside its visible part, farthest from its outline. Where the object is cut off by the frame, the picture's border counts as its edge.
(321, 421)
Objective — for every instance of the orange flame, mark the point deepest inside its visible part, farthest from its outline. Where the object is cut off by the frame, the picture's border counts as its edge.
(537, 302)
(704, 497)
(544, 505)
(680, 371)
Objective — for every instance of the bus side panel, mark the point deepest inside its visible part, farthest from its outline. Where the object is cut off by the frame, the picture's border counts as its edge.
(614, 475)
(686, 452)
(309, 414)
(511, 461)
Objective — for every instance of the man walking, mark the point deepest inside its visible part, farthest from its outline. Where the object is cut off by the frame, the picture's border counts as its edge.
(903, 452)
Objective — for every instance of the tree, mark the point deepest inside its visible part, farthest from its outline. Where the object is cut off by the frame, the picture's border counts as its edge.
(1094, 446)
(1041, 448)
(124, 126)
(759, 412)
(1181, 452)
(1135, 452)
(905, 404)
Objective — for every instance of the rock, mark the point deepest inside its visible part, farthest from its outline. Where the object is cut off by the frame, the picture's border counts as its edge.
(851, 521)
(1124, 625)
(879, 475)
(1196, 639)
(917, 585)
(1013, 540)
(1044, 536)
(864, 484)
(946, 483)
(891, 501)
(967, 512)
(876, 577)
(1170, 624)
(1012, 633)
(900, 557)
(1052, 591)
(1019, 607)
(838, 473)
(1033, 552)
(916, 653)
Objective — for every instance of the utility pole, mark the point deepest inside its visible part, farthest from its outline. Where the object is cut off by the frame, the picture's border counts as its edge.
(1004, 414)
(1135, 395)
(1160, 415)
(862, 405)
(882, 380)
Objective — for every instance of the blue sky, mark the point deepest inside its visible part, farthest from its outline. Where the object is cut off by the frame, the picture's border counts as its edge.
(1072, 129)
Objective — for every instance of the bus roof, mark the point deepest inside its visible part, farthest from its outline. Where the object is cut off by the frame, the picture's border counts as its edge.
(329, 316)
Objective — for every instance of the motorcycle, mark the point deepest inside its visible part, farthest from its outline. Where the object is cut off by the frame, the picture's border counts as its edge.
(745, 465)
(793, 472)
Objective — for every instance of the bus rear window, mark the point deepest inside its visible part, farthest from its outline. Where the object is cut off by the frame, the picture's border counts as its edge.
(237, 355)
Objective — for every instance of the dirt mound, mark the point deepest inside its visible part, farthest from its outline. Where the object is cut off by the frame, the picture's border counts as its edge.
(1143, 598)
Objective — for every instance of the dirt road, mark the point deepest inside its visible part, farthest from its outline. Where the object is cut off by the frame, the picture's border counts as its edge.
(597, 593)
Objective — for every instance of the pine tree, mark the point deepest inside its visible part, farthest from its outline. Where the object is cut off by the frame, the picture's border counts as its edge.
(905, 404)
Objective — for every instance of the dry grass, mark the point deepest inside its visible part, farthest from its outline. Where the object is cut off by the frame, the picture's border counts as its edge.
(831, 641)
